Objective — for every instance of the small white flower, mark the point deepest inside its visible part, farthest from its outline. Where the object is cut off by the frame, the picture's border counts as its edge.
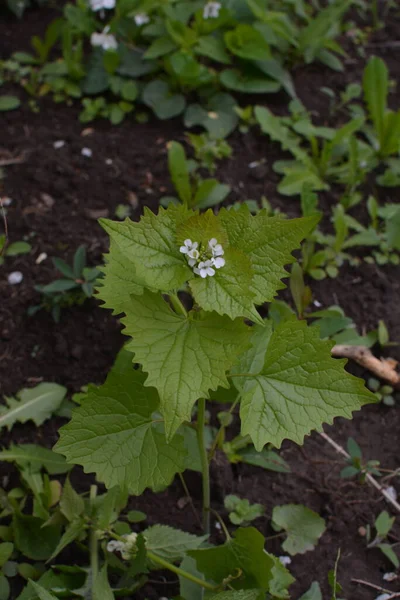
(215, 248)
(211, 10)
(390, 577)
(115, 546)
(6, 201)
(101, 4)
(141, 19)
(188, 246)
(317, 303)
(285, 560)
(218, 526)
(218, 262)
(104, 40)
(58, 144)
(15, 278)
(204, 269)
(87, 152)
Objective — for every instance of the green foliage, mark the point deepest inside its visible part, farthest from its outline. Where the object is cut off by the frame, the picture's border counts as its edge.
(283, 367)
(383, 525)
(9, 103)
(75, 287)
(31, 456)
(303, 527)
(131, 451)
(356, 465)
(241, 512)
(386, 123)
(36, 404)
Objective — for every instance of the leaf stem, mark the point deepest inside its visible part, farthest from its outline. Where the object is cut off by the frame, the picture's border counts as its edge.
(220, 434)
(180, 572)
(94, 555)
(177, 304)
(243, 375)
(205, 468)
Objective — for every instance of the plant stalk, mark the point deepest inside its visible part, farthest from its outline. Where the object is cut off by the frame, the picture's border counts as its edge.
(93, 540)
(181, 572)
(205, 467)
(177, 304)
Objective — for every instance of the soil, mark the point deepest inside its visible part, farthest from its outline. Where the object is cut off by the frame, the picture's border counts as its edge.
(58, 196)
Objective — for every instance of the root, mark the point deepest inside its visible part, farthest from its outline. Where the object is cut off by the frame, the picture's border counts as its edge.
(384, 368)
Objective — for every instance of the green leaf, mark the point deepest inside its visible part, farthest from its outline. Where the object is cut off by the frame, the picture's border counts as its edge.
(214, 48)
(18, 248)
(133, 63)
(157, 96)
(303, 526)
(219, 119)
(36, 458)
(390, 554)
(266, 459)
(71, 504)
(73, 531)
(97, 79)
(268, 242)
(188, 589)
(4, 588)
(246, 42)
(129, 90)
(117, 433)
(152, 247)
(298, 387)
(6, 549)
(196, 352)
(79, 261)
(179, 171)
(244, 555)
(59, 285)
(9, 103)
(63, 267)
(33, 540)
(136, 516)
(393, 230)
(209, 193)
(119, 282)
(36, 404)
(384, 524)
(169, 543)
(71, 579)
(160, 47)
(233, 79)
(375, 85)
(41, 592)
(237, 595)
(101, 588)
(314, 593)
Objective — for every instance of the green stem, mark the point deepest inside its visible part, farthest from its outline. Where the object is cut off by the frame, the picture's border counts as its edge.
(375, 16)
(180, 572)
(177, 304)
(221, 432)
(94, 555)
(205, 468)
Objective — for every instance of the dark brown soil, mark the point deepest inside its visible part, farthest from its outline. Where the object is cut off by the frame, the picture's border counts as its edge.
(57, 197)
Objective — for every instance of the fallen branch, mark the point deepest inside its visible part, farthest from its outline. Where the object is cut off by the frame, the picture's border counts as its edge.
(369, 477)
(378, 588)
(382, 368)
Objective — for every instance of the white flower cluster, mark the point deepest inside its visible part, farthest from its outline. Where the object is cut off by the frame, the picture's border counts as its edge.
(126, 548)
(101, 4)
(211, 10)
(203, 262)
(105, 40)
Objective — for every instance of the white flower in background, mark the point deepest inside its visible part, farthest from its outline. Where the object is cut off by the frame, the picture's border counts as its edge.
(392, 492)
(115, 546)
(105, 40)
(285, 560)
(15, 278)
(101, 4)
(127, 548)
(141, 19)
(203, 261)
(211, 10)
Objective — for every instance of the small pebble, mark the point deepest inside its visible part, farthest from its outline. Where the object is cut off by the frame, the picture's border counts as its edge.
(58, 144)
(390, 577)
(15, 277)
(86, 152)
(317, 303)
(285, 560)
(383, 597)
(42, 256)
(109, 161)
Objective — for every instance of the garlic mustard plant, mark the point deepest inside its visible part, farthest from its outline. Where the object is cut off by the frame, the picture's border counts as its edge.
(104, 40)
(141, 19)
(97, 5)
(189, 287)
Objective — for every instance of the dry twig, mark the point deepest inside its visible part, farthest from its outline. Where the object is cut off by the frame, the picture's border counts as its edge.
(382, 368)
(369, 477)
(378, 588)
